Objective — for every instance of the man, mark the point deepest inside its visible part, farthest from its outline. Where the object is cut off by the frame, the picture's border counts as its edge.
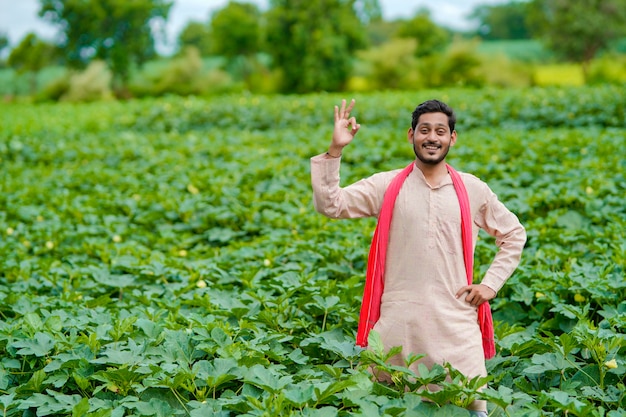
(427, 306)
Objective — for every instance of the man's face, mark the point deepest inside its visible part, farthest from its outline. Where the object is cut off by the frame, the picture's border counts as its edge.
(432, 138)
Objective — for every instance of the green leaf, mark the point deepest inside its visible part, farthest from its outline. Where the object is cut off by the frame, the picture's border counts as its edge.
(301, 394)
(220, 337)
(150, 328)
(298, 357)
(122, 379)
(53, 403)
(81, 409)
(572, 220)
(320, 412)
(116, 355)
(7, 401)
(375, 343)
(326, 303)
(5, 378)
(208, 408)
(154, 407)
(324, 391)
(39, 346)
(33, 321)
(547, 362)
(267, 378)
(103, 276)
(217, 372)
(57, 380)
(54, 323)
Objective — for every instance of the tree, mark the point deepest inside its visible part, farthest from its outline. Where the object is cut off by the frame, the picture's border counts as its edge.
(430, 37)
(380, 32)
(392, 64)
(4, 42)
(31, 55)
(313, 43)
(368, 11)
(578, 29)
(115, 31)
(236, 30)
(502, 21)
(198, 35)
(236, 35)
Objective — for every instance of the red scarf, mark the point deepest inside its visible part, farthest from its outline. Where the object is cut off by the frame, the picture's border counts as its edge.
(374, 282)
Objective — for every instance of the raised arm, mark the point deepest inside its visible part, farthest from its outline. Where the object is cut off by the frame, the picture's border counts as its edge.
(361, 199)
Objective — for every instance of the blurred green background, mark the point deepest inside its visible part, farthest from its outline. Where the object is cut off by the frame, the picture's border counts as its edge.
(106, 49)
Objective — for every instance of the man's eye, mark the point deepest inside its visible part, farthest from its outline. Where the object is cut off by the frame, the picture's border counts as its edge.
(424, 131)
(441, 132)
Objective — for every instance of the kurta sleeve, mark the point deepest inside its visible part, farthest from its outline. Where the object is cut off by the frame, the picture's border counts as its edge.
(361, 199)
(510, 237)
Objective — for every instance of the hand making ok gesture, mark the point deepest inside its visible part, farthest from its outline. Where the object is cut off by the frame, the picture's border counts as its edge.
(345, 129)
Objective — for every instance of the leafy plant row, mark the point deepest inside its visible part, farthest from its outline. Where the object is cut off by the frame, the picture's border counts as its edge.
(533, 108)
(179, 268)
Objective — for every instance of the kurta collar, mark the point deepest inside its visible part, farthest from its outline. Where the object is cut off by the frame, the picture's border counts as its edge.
(420, 175)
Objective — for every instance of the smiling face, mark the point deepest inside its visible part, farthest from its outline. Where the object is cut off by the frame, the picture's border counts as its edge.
(431, 138)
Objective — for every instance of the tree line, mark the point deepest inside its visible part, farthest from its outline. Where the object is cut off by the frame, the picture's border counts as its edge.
(309, 45)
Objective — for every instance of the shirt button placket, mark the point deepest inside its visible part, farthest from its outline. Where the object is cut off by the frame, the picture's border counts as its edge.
(432, 215)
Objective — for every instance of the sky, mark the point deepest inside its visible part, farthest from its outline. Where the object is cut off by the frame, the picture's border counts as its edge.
(18, 17)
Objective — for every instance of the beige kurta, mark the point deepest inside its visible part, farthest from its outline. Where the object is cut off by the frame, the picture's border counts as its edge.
(425, 267)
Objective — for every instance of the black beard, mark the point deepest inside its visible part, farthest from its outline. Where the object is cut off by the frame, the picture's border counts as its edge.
(431, 161)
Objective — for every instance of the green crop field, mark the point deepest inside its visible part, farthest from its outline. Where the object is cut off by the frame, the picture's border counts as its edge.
(163, 257)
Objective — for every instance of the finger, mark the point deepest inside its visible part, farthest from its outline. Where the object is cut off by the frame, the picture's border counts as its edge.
(336, 113)
(342, 112)
(479, 297)
(463, 290)
(349, 109)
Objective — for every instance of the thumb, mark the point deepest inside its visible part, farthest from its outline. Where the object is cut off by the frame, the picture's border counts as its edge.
(354, 125)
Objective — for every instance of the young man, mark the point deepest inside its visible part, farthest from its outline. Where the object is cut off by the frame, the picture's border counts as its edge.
(426, 306)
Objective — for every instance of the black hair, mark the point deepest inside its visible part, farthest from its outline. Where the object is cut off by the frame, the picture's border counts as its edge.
(434, 106)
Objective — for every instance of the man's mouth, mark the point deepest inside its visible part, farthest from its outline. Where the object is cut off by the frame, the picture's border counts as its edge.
(431, 146)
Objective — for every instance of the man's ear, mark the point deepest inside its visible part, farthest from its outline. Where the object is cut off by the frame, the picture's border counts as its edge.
(453, 138)
(409, 135)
